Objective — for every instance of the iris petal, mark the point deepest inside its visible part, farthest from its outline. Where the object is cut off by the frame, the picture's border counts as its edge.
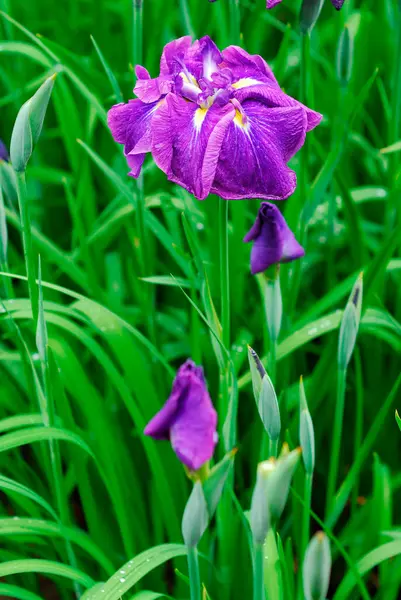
(254, 154)
(247, 66)
(187, 141)
(130, 124)
(275, 97)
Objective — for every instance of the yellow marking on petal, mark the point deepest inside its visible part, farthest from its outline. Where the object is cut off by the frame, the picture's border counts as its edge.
(190, 79)
(239, 121)
(245, 82)
(199, 117)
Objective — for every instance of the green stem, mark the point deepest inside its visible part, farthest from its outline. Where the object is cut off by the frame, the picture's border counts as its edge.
(258, 574)
(358, 435)
(185, 14)
(337, 434)
(273, 446)
(194, 574)
(225, 306)
(305, 534)
(224, 270)
(306, 96)
(30, 263)
(235, 21)
(273, 361)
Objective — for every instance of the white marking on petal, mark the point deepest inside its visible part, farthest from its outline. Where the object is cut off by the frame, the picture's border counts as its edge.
(246, 82)
(209, 65)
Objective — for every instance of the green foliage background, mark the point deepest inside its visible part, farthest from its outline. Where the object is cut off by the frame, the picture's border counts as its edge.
(119, 324)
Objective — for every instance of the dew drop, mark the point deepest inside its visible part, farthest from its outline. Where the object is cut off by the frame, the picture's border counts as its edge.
(122, 579)
(122, 572)
(312, 331)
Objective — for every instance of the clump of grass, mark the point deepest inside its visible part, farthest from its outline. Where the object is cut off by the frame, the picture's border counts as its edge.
(136, 277)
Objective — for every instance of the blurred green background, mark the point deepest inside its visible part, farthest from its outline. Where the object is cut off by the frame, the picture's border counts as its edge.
(119, 325)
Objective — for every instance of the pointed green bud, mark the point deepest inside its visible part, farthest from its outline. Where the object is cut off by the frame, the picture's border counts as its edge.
(310, 11)
(350, 324)
(259, 514)
(196, 517)
(317, 568)
(274, 307)
(306, 431)
(345, 56)
(213, 486)
(280, 481)
(257, 372)
(265, 396)
(269, 410)
(28, 125)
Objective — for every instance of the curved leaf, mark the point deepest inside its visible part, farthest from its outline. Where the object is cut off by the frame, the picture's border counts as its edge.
(133, 571)
(47, 567)
(39, 434)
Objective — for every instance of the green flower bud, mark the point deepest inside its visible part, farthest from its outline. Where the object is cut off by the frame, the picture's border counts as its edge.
(280, 480)
(306, 432)
(196, 517)
(265, 396)
(259, 513)
(310, 11)
(350, 324)
(317, 568)
(28, 125)
(214, 484)
(345, 56)
(257, 372)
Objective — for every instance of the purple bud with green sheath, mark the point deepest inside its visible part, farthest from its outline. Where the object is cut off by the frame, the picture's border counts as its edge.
(188, 418)
(3, 152)
(273, 241)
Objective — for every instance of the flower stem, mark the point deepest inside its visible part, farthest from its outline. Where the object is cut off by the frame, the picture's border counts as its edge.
(305, 528)
(30, 264)
(194, 574)
(258, 582)
(273, 445)
(337, 434)
(225, 275)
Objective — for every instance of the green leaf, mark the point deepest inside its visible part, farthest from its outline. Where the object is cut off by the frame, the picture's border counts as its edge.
(13, 591)
(28, 126)
(272, 569)
(9, 486)
(398, 419)
(15, 526)
(214, 484)
(133, 571)
(17, 421)
(39, 434)
(44, 567)
(367, 563)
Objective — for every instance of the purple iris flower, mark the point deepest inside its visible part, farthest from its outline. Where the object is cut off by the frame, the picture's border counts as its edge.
(214, 122)
(336, 3)
(273, 241)
(188, 419)
(3, 152)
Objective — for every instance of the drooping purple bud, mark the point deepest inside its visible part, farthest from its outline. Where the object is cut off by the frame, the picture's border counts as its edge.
(273, 241)
(4, 152)
(188, 419)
